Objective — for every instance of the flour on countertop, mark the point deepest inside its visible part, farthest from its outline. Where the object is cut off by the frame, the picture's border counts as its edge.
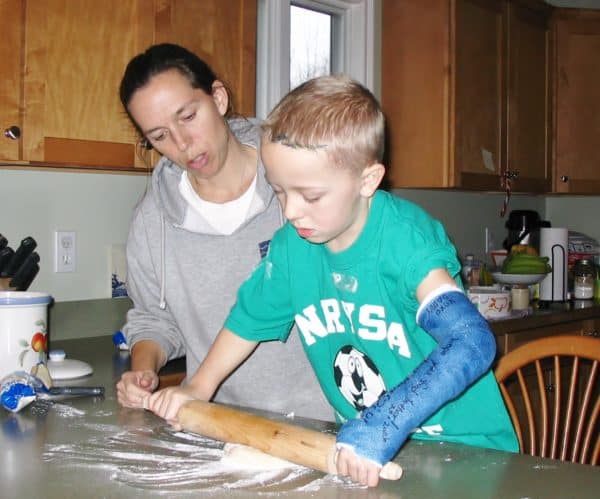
(161, 459)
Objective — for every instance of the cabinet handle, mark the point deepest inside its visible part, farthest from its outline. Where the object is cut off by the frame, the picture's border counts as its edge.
(12, 132)
(564, 178)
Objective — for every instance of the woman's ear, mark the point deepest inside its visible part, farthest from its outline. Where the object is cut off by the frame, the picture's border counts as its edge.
(220, 96)
(371, 177)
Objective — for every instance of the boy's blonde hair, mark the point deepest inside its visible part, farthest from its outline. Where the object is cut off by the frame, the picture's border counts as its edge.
(334, 113)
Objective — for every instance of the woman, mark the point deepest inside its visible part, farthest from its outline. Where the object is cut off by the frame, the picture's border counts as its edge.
(203, 225)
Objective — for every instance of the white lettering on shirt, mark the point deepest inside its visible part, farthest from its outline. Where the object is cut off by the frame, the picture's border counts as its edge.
(331, 312)
(372, 325)
(310, 324)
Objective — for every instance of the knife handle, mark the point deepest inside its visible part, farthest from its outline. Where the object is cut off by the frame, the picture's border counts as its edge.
(25, 248)
(5, 255)
(25, 274)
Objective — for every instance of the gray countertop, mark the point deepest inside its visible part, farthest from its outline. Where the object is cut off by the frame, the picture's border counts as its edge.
(91, 447)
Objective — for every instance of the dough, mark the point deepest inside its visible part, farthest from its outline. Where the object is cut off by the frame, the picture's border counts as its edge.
(243, 456)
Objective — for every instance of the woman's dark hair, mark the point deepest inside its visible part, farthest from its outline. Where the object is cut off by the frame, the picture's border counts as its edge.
(160, 58)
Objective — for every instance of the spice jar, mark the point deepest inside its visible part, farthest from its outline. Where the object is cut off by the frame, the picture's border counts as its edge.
(584, 276)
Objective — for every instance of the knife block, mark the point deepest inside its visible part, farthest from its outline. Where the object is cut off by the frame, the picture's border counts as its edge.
(4, 284)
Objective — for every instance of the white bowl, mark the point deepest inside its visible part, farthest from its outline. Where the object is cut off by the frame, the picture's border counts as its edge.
(524, 279)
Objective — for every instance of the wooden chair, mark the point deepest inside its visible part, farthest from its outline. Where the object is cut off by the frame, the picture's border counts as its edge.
(552, 393)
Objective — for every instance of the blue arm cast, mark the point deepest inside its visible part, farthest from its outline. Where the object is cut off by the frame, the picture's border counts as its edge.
(466, 349)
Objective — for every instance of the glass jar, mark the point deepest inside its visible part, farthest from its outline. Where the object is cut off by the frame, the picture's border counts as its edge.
(584, 276)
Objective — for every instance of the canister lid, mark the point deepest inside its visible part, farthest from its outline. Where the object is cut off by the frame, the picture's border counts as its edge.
(24, 298)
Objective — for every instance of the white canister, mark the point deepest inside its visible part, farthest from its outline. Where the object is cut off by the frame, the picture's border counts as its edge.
(23, 330)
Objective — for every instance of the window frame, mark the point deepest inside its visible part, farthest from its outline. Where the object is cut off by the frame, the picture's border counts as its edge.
(353, 49)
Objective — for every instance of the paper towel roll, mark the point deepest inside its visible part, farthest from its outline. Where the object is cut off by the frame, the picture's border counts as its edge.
(554, 243)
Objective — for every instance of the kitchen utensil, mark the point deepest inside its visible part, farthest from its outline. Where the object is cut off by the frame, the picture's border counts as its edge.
(61, 368)
(23, 330)
(525, 279)
(26, 273)
(20, 389)
(21, 253)
(554, 243)
(299, 445)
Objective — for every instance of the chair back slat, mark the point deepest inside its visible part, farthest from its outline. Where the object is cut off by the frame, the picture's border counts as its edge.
(557, 408)
(586, 424)
(529, 410)
(543, 408)
(551, 390)
(569, 414)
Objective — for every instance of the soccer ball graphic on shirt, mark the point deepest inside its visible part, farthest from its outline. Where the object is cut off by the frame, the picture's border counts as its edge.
(357, 377)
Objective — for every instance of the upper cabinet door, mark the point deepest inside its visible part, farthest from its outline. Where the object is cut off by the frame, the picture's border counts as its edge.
(442, 93)
(223, 33)
(479, 103)
(75, 54)
(62, 62)
(465, 92)
(577, 102)
(11, 12)
(527, 132)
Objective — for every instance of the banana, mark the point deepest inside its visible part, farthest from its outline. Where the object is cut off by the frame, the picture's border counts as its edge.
(527, 249)
(522, 263)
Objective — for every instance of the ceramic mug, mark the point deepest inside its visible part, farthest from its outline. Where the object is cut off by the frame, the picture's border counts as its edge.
(23, 330)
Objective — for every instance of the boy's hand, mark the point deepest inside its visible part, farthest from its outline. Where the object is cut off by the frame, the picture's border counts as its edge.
(166, 403)
(359, 469)
(135, 386)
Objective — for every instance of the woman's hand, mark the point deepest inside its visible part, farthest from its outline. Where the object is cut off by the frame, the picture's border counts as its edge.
(166, 403)
(135, 386)
(360, 470)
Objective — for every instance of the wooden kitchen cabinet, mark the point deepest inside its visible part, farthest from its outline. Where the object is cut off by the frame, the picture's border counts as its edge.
(64, 61)
(10, 80)
(465, 92)
(576, 159)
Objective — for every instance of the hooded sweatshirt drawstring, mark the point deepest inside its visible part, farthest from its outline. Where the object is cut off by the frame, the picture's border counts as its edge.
(162, 303)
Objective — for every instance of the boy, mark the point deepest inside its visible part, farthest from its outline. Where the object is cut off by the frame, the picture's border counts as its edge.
(370, 281)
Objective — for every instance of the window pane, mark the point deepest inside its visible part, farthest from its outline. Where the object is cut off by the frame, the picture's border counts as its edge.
(310, 44)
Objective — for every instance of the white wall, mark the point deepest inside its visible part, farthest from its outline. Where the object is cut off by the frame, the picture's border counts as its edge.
(466, 215)
(96, 206)
(577, 213)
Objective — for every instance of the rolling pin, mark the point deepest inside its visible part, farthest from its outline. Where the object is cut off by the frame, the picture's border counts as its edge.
(299, 445)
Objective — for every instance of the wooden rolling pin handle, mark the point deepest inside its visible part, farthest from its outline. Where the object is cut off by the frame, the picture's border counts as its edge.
(299, 445)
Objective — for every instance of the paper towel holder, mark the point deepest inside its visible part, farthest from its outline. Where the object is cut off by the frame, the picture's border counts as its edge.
(555, 279)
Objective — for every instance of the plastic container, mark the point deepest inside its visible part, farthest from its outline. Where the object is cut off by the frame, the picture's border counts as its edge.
(23, 330)
(520, 297)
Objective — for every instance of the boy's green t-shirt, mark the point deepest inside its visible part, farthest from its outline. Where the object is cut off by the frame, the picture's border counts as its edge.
(355, 312)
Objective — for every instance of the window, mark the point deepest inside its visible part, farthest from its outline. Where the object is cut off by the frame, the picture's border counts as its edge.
(310, 44)
(346, 44)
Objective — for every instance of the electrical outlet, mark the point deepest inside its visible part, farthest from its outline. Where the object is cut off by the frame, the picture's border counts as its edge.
(490, 243)
(65, 250)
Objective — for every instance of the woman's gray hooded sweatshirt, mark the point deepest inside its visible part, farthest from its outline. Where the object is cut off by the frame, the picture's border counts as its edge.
(184, 283)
